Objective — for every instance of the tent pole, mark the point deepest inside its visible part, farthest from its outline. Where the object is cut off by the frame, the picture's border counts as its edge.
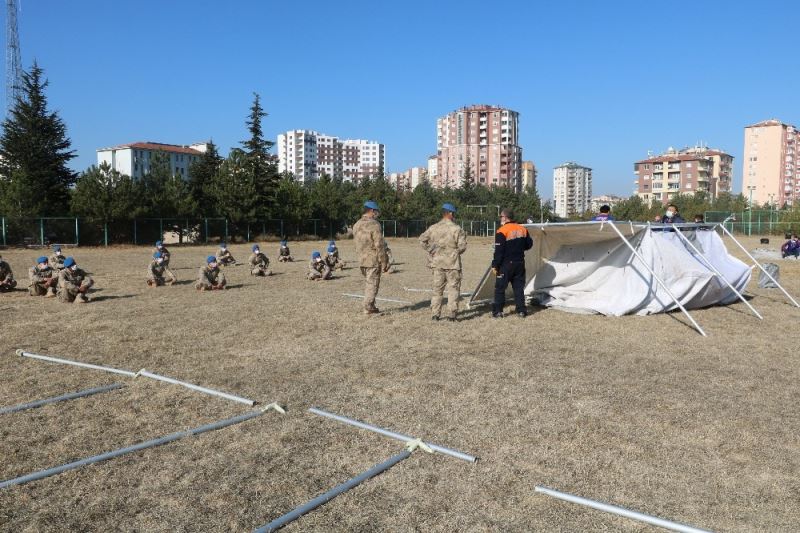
(759, 265)
(661, 283)
(717, 272)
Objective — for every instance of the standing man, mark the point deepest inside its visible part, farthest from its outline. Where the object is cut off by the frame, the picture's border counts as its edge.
(445, 241)
(510, 243)
(371, 250)
(73, 283)
(7, 281)
(42, 278)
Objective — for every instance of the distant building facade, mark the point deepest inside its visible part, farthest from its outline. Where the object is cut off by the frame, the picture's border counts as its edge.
(770, 169)
(528, 175)
(409, 179)
(605, 199)
(135, 159)
(572, 189)
(690, 170)
(483, 137)
(308, 155)
(433, 167)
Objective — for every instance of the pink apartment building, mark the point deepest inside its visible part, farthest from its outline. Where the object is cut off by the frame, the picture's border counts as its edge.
(770, 170)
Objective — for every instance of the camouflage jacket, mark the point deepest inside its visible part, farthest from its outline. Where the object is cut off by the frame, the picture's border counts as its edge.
(210, 275)
(57, 261)
(284, 252)
(156, 270)
(225, 256)
(72, 279)
(259, 260)
(164, 253)
(41, 275)
(445, 241)
(5, 271)
(370, 244)
(319, 266)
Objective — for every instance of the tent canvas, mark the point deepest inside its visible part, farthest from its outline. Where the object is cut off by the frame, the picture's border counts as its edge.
(587, 267)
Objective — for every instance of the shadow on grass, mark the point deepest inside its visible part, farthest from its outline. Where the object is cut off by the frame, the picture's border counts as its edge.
(111, 297)
(185, 282)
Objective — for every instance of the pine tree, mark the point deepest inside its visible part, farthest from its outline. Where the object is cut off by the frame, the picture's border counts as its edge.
(34, 153)
(259, 161)
(104, 194)
(201, 174)
(233, 190)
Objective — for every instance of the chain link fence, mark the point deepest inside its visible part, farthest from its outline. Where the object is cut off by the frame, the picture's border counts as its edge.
(758, 222)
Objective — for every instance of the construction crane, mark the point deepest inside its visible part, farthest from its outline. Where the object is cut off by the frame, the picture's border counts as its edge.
(13, 61)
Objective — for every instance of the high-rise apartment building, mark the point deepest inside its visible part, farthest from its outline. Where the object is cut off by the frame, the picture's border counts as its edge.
(529, 174)
(134, 159)
(309, 154)
(686, 171)
(409, 179)
(484, 139)
(770, 170)
(572, 189)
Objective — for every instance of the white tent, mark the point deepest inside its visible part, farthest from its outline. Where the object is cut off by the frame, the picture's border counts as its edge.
(620, 268)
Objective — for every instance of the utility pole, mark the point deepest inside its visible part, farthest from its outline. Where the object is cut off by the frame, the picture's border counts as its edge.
(13, 61)
(750, 188)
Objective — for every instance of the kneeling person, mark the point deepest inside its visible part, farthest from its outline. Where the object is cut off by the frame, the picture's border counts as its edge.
(259, 263)
(209, 277)
(224, 256)
(318, 269)
(158, 273)
(73, 283)
(57, 259)
(43, 279)
(7, 281)
(284, 255)
(332, 257)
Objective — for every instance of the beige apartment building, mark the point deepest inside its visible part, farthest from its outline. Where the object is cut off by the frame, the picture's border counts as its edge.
(770, 171)
(572, 189)
(684, 171)
(484, 137)
(308, 155)
(408, 179)
(529, 174)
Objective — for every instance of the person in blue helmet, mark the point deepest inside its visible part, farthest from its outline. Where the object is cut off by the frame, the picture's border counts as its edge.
(73, 283)
(284, 254)
(43, 279)
(318, 269)
(445, 242)
(56, 260)
(209, 278)
(165, 253)
(371, 250)
(224, 256)
(332, 257)
(259, 262)
(7, 281)
(157, 272)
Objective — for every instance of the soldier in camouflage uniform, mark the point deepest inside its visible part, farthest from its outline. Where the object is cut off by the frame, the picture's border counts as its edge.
(167, 255)
(210, 278)
(318, 269)
(158, 273)
(371, 250)
(284, 255)
(73, 283)
(259, 263)
(224, 256)
(332, 257)
(43, 279)
(7, 281)
(57, 259)
(445, 241)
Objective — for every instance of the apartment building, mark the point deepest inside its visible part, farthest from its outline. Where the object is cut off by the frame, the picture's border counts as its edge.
(408, 179)
(134, 159)
(308, 155)
(770, 170)
(572, 189)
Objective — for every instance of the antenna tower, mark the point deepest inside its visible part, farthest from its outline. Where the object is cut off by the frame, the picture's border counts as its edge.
(13, 61)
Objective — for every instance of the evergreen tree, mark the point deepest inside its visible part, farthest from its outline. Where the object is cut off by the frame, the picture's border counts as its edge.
(233, 190)
(468, 176)
(34, 153)
(153, 184)
(259, 161)
(292, 200)
(103, 194)
(201, 175)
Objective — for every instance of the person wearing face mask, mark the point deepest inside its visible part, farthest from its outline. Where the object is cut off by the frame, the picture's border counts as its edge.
(371, 251)
(259, 262)
(791, 248)
(158, 273)
(332, 257)
(57, 259)
(209, 278)
(284, 254)
(73, 283)
(42, 278)
(318, 269)
(671, 216)
(224, 256)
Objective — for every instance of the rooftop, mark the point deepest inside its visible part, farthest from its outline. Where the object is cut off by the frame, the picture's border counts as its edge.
(160, 147)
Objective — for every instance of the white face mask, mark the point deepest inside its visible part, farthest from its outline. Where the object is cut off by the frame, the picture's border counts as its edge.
(74, 268)
(670, 214)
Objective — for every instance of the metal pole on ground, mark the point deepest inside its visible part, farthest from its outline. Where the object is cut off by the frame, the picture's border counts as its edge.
(391, 434)
(378, 299)
(334, 492)
(661, 283)
(130, 449)
(716, 271)
(753, 259)
(621, 511)
(63, 397)
(30, 355)
(198, 388)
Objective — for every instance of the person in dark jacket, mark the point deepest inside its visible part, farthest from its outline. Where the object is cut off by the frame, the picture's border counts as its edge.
(671, 216)
(510, 243)
(791, 248)
(604, 216)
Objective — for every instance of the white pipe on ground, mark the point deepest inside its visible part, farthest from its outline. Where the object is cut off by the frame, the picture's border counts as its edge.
(197, 388)
(379, 299)
(128, 373)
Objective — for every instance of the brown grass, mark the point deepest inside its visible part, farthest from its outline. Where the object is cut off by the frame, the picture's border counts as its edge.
(638, 411)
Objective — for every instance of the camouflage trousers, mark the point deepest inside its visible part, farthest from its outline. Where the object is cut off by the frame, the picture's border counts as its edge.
(38, 289)
(68, 295)
(5, 287)
(451, 279)
(373, 282)
(260, 271)
(168, 277)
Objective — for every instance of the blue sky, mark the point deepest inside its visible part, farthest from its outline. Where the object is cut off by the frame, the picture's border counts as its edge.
(599, 83)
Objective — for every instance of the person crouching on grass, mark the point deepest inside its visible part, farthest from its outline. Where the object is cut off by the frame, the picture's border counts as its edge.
(318, 269)
(73, 283)
(209, 277)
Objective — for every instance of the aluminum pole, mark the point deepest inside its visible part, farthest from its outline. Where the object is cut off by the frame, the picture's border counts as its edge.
(63, 397)
(717, 272)
(76, 363)
(379, 299)
(391, 434)
(759, 266)
(198, 388)
(334, 492)
(130, 449)
(621, 511)
(661, 283)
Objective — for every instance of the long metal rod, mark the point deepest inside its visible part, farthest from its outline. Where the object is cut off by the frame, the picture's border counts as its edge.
(391, 434)
(63, 397)
(380, 299)
(621, 511)
(661, 283)
(334, 492)
(409, 289)
(717, 272)
(76, 363)
(130, 449)
(198, 388)
(759, 266)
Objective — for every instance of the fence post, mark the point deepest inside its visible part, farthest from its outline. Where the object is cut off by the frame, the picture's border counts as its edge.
(77, 235)
(263, 228)
(226, 229)
(135, 237)
(281, 228)
(105, 233)
(315, 228)
(395, 227)
(206, 224)
(4, 231)
(41, 231)
(248, 232)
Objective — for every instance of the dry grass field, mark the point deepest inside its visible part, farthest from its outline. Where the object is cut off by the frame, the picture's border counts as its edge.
(638, 411)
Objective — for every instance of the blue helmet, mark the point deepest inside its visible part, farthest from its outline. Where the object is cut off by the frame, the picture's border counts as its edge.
(211, 259)
(159, 244)
(157, 255)
(331, 248)
(68, 262)
(223, 245)
(315, 254)
(41, 259)
(284, 242)
(449, 207)
(369, 204)
(255, 247)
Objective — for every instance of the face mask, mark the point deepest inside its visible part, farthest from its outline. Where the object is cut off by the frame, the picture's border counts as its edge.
(74, 268)
(670, 214)
(160, 260)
